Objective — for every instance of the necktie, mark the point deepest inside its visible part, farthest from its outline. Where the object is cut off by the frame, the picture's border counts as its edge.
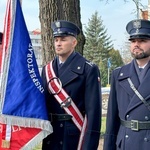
(141, 74)
(60, 65)
(141, 69)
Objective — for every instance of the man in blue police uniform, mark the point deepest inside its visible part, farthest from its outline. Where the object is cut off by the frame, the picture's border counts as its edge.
(80, 80)
(128, 118)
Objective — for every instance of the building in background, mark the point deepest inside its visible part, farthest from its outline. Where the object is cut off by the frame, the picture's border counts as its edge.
(145, 14)
(35, 37)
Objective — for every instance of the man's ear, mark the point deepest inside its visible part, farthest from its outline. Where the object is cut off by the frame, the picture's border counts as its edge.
(75, 42)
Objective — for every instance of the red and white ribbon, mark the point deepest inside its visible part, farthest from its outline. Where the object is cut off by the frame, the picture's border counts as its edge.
(55, 87)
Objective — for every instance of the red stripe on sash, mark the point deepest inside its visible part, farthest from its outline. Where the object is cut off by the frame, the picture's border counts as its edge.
(54, 87)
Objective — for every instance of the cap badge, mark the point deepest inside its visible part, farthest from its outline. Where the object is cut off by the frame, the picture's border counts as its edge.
(57, 24)
(137, 25)
(58, 30)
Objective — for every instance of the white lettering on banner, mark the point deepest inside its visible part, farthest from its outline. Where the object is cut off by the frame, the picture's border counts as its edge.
(31, 69)
(16, 128)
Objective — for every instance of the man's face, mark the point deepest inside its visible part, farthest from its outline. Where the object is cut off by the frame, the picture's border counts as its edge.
(64, 46)
(140, 48)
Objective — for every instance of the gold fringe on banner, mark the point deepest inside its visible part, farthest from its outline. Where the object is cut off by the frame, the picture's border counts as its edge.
(5, 144)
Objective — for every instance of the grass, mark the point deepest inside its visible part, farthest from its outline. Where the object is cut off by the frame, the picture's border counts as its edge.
(103, 126)
(38, 147)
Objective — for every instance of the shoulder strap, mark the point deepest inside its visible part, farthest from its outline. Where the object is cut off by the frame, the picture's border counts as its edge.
(138, 94)
(65, 101)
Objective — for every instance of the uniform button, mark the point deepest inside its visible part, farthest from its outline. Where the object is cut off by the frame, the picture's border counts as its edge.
(61, 142)
(146, 139)
(146, 118)
(126, 136)
(127, 116)
(61, 125)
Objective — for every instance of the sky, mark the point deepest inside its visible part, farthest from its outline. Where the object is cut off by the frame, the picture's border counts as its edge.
(115, 15)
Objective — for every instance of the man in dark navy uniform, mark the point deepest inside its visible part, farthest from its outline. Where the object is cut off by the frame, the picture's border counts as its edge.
(128, 118)
(80, 79)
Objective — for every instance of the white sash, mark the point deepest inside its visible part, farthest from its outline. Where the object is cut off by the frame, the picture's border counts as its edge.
(55, 88)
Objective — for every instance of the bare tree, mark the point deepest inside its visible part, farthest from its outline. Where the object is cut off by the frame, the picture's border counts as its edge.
(138, 5)
(51, 10)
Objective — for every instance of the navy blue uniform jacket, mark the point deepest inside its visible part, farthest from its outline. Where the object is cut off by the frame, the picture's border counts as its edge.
(125, 104)
(80, 80)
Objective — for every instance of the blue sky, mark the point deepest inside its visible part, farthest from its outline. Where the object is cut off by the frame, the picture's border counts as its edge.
(115, 15)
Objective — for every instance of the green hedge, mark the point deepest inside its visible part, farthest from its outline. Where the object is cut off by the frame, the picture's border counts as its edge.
(103, 126)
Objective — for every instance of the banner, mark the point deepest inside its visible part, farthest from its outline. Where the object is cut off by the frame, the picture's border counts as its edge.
(24, 120)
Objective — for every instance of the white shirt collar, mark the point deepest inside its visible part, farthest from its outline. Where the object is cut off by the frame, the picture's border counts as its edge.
(143, 66)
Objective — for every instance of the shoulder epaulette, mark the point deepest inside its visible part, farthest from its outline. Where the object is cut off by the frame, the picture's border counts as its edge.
(117, 68)
(89, 63)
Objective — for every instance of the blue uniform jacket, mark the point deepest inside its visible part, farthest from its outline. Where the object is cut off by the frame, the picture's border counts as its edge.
(125, 104)
(80, 80)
